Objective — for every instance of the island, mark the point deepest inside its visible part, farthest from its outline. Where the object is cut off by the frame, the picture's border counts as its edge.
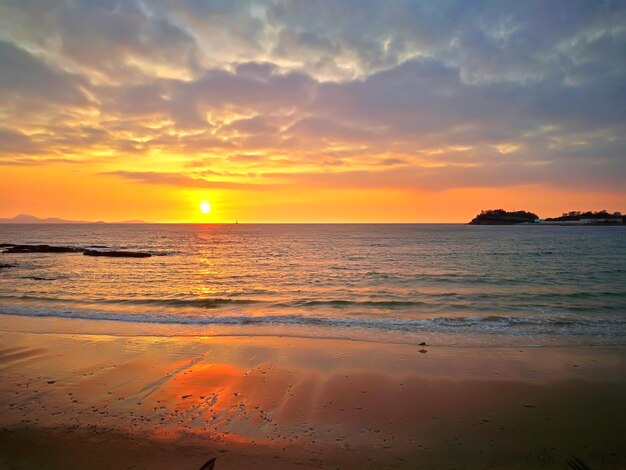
(502, 217)
(590, 217)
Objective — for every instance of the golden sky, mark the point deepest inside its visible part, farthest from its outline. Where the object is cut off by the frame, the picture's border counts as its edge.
(300, 111)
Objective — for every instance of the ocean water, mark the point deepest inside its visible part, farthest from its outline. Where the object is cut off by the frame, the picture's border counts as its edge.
(361, 281)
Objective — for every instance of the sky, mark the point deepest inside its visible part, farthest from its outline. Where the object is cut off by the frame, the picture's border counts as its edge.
(311, 111)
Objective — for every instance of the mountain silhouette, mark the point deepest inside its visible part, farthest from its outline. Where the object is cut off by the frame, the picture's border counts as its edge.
(31, 219)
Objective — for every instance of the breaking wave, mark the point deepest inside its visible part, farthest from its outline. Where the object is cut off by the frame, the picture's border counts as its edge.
(491, 324)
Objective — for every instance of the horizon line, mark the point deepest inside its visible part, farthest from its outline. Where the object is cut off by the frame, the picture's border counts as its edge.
(34, 220)
(232, 223)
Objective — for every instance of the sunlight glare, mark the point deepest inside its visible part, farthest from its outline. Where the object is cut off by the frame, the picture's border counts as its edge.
(205, 207)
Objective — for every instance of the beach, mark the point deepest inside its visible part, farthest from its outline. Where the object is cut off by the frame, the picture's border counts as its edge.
(119, 401)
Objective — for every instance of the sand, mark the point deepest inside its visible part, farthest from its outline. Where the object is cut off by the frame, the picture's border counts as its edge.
(107, 401)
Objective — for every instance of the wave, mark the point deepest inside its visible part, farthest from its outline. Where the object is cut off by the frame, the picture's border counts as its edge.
(439, 301)
(207, 303)
(491, 324)
(355, 303)
(215, 302)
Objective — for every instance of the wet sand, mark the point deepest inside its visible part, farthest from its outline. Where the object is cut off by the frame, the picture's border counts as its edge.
(103, 401)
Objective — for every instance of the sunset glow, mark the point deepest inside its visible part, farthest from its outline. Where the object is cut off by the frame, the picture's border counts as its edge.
(295, 111)
(205, 207)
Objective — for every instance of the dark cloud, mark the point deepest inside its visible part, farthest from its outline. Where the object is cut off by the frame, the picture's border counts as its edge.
(253, 125)
(14, 142)
(26, 77)
(319, 129)
(188, 103)
(115, 39)
(259, 70)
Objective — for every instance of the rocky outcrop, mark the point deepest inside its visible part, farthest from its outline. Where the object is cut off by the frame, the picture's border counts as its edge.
(40, 249)
(117, 254)
(11, 248)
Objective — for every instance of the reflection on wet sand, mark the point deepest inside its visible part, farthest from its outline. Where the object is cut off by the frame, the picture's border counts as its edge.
(320, 402)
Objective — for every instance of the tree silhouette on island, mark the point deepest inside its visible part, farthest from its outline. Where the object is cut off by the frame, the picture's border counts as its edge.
(578, 215)
(502, 217)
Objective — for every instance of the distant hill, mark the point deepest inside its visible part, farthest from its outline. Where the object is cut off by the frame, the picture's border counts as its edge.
(31, 219)
(502, 217)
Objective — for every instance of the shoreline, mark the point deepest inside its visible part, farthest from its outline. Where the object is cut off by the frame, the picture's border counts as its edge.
(10, 322)
(272, 402)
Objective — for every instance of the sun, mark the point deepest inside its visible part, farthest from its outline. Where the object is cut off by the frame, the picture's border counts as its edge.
(205, 207)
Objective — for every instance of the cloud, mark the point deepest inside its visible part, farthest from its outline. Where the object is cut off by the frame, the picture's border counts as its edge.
(182, 180)
(416, 94)
(593, 177)
(107, 40)
(14, 142)
(319, 129)
(254, 125)
(24, 77)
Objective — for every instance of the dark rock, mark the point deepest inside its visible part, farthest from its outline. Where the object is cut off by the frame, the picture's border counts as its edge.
(2, 266)
(423, 344)
(12, 248)
(42, 249)
(423, 351)
(117, 254)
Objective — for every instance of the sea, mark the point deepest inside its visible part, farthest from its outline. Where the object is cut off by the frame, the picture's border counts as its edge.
(448, 283)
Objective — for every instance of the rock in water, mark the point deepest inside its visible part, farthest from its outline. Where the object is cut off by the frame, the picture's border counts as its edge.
(117, 254)
(13, 248)
(41, 249)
